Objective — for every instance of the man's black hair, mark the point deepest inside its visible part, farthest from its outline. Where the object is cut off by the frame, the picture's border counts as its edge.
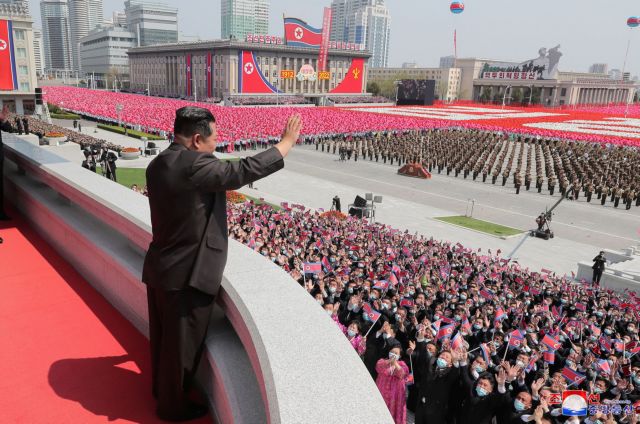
(192, 120)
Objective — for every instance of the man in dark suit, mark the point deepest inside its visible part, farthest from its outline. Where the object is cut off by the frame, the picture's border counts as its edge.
(4, 126)
(599, 263)
(185, 261)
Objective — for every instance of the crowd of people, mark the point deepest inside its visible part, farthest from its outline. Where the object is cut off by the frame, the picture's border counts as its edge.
(455, 335)
(33, 125)
(358, 99)
(269, 100)
(574, 169)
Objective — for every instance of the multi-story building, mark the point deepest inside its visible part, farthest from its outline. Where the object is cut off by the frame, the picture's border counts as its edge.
(365, 22)
(84, 16)
(615, 74)
(230, 68)
(56, 34)
(599, 68)
(118, 18)
(538, 81)
(447, 79)
(242, 17)
(104, 54)
(447, 61)
(38, 52)
(23, 3)
(18, 91)
(152, 23)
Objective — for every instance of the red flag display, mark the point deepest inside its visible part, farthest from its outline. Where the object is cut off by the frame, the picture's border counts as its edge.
(326, 34)
(189, 79)
(352, 82)
(8, 75)
(250, 76)
(298, 33)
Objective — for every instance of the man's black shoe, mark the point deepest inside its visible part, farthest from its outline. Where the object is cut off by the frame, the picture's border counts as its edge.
(195, 411)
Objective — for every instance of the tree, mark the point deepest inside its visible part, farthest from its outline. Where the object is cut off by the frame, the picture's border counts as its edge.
(113, 75)
(516, 95)
(373, 88)
(485, 97)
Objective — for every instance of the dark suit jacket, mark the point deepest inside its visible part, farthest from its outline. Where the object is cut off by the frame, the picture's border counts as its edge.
(187, 196)
(6, 127)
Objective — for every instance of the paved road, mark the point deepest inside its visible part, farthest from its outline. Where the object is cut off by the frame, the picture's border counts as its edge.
(578, 221)
(313, 178)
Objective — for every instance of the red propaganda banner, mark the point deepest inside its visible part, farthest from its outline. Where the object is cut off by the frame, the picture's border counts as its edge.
(189, 81)
(352, 82)
(326, 33)
(250, 77)
(8, 76)
(209, 75)
(298, 33)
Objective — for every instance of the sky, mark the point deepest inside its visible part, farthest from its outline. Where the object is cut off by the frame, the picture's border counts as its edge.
(589, 31)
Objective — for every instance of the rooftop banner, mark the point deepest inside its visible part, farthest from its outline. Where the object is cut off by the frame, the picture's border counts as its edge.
(8, 75)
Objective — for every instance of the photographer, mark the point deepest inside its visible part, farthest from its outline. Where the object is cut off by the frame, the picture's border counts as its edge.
(108, 161)
(89, 161)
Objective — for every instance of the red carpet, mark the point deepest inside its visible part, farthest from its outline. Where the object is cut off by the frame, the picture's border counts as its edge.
(67, 356)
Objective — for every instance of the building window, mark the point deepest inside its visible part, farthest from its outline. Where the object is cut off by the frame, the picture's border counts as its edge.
(24, 70)
(563, 92)
(24, 86)
(19, 34)
(21, 52)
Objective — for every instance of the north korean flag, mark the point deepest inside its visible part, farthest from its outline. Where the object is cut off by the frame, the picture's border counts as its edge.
(551, 343)
(298, 33)
(326, 264)
(515, 339)
(381, 285)
(549, 357)
(8, 75)
(572, 376)
(445, 332)
(371, 313)
(486, 352)
(312, 267)
(406, 303)
(603, 365)
(457, 342)
(393, 279)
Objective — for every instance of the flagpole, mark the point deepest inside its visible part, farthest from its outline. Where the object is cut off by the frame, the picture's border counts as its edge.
(506, 350)
(371, 328)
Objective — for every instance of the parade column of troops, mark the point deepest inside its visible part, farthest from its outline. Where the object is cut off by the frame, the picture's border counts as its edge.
(611, 173)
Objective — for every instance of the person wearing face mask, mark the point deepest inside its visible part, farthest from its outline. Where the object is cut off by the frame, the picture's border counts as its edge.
(482, 400)
(352, 332)
(376, 341)
(438, 377)
(514, 412)
(391, 381)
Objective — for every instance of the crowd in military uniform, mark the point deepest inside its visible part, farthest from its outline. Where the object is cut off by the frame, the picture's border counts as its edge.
(33, 125)
(477, 337)
(577, 170)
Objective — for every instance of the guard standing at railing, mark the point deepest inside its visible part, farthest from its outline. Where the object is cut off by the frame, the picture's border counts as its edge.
(187, 255)
(4, 126)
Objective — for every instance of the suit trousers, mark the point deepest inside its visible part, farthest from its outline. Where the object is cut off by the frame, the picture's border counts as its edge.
(178, 323)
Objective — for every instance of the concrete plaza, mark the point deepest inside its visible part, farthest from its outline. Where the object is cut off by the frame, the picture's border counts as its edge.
(312, 178)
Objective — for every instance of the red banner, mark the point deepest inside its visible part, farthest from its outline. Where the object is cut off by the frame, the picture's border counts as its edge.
(8, 75)
(250, 77)
(189, 80)
(209, 75)
(353, 80)
(326, 33)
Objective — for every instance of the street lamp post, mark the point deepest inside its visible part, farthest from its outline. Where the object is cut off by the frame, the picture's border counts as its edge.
(504, 97)
(119, 108)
